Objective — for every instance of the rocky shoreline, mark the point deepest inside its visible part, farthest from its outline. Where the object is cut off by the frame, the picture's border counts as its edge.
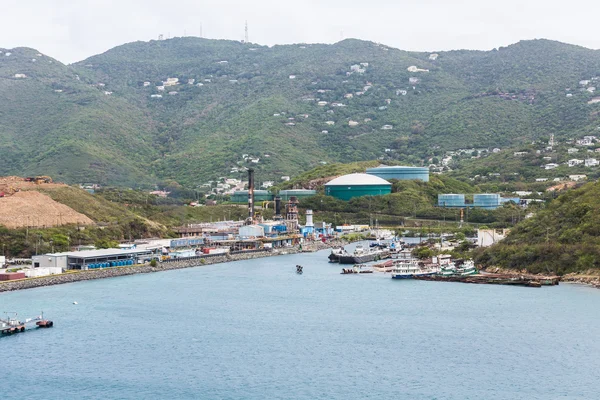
(77, 276)
(590, 278)
(582, 279)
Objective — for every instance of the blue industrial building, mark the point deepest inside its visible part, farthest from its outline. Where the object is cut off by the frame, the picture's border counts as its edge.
(401, 173)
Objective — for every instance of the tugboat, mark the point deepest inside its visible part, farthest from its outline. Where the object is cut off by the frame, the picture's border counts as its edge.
(362, 255)
(299, 269)
(334, 257)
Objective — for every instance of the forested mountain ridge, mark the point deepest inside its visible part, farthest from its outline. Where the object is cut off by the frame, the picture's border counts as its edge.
(118, 118)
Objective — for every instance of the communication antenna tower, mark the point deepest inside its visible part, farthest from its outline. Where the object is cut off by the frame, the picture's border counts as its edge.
(246, 33)
(200, 29)
(551, 142)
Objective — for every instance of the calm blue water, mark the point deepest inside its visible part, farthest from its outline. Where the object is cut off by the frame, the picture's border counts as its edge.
(257, 330)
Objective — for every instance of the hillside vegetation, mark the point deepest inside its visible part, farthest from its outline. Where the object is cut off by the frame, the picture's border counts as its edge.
(289, 107)
(562, 238)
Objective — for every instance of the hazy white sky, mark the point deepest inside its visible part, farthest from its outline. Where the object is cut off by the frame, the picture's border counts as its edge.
(71, 30)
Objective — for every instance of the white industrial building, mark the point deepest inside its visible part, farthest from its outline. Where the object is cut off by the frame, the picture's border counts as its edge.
(488, 237)
(90, 258)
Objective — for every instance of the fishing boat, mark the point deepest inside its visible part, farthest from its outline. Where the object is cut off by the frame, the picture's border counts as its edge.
(363, 255)
(409, 269)
(451, 269)
(299, 269)
(467, 268)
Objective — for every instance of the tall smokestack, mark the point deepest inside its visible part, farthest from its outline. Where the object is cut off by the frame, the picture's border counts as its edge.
(251, 195)
(309, 218)
(278, 208)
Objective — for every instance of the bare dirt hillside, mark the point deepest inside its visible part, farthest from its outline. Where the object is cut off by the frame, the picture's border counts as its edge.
(34, 209)
(19, 183)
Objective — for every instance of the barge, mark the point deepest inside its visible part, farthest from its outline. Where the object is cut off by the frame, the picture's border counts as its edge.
(362, 255)
(10, 324)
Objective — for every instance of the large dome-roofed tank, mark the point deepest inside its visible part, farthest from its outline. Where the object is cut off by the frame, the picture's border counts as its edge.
(355, 185)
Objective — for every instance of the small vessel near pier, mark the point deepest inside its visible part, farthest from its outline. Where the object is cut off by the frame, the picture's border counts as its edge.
(465, 269)
(10, 324)
(299, 269)
(362, 255)
(357, 269)
(409, 269)
(335, 254)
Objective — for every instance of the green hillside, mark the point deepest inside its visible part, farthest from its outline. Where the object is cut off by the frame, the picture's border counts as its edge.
(97, 121)
(562, 238)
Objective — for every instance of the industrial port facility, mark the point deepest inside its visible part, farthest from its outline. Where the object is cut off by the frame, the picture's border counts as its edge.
(196, 240)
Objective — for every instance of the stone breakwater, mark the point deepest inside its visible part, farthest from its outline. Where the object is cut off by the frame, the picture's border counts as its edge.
(77, 276)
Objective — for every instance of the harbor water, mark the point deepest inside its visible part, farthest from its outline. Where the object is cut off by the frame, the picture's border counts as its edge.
(257, 330)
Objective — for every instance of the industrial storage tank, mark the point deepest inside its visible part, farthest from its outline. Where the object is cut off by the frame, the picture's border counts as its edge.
(241, 196)
(400, 172)
(486, 200)
(451, 200)
(355, 185)
(299, 193)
